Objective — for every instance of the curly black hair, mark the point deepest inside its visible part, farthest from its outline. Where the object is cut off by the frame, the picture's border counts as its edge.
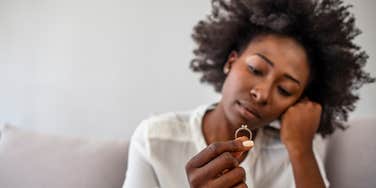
(325, 28)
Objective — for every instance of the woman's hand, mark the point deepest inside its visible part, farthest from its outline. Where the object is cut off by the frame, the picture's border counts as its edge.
(217, 165)
(299, 125)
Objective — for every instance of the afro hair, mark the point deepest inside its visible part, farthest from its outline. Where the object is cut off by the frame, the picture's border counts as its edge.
(325, 28)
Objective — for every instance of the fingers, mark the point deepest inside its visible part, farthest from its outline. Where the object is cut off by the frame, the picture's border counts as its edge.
(221, 163)
(233, 178)
(242, 138)
(241, 185)
(216, 149)
(250, 143)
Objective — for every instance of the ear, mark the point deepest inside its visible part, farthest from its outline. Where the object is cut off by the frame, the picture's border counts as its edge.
(230, 60)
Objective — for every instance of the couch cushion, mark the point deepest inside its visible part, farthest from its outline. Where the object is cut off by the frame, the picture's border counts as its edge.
(351, 155)
(36, 160)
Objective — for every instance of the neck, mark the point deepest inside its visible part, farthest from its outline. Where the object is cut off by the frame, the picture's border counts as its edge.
(216, 127)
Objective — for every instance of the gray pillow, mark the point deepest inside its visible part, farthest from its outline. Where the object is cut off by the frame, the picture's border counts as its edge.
(36, 160)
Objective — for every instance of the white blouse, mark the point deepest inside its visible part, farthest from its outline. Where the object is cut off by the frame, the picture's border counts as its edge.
(162, 145)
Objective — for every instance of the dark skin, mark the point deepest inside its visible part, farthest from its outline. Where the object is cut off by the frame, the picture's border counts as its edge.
(264, 83)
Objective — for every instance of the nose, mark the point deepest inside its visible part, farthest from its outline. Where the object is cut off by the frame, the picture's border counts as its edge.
(260, 95)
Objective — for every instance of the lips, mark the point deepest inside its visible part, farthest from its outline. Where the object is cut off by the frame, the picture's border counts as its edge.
(248, 110)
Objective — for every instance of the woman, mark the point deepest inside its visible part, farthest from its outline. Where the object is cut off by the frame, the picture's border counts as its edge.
(290, 63)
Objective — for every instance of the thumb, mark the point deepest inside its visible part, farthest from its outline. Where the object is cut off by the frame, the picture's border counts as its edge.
(246, 141)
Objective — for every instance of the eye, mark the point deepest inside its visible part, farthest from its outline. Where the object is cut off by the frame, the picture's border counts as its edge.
(254, 70)
(284, 92)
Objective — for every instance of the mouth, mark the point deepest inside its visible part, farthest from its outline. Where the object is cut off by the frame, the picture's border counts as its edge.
(247, 110)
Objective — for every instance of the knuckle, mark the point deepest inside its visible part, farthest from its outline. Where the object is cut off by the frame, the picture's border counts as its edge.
(292, 108)
(243, 185)
(236, 144)
(209, 184)
(194, 180)
(214, 148)
(241, 172)
(188, 166)
(230, 160)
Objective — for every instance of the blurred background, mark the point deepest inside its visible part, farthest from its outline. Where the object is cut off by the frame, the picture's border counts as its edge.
(97, 68)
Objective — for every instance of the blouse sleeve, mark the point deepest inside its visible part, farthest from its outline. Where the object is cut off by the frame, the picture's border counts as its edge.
(140, 171)
(319, 147)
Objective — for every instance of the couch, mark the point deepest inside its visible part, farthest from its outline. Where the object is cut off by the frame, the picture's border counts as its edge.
(36, 160)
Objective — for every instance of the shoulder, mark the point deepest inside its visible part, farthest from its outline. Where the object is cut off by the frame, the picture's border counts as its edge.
(166, 126)
(177, 126)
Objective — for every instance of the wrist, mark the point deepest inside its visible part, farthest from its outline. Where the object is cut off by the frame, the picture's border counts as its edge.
(300, 152)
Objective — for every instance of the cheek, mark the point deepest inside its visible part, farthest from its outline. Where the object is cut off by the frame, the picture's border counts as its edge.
(236, 82)
(278, 108)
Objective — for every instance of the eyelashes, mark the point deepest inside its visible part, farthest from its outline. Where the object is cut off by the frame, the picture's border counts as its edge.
(254, 70)
(257, 72)
(284, 92)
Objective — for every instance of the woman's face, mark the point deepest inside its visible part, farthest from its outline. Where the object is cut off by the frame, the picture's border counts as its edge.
(267, 78)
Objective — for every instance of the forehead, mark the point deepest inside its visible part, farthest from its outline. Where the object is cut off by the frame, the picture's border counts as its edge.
(287, 55)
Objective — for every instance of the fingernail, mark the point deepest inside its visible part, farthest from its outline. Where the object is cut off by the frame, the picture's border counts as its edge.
(248, 143)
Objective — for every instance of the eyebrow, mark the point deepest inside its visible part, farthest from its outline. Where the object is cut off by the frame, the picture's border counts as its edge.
(268, 61)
